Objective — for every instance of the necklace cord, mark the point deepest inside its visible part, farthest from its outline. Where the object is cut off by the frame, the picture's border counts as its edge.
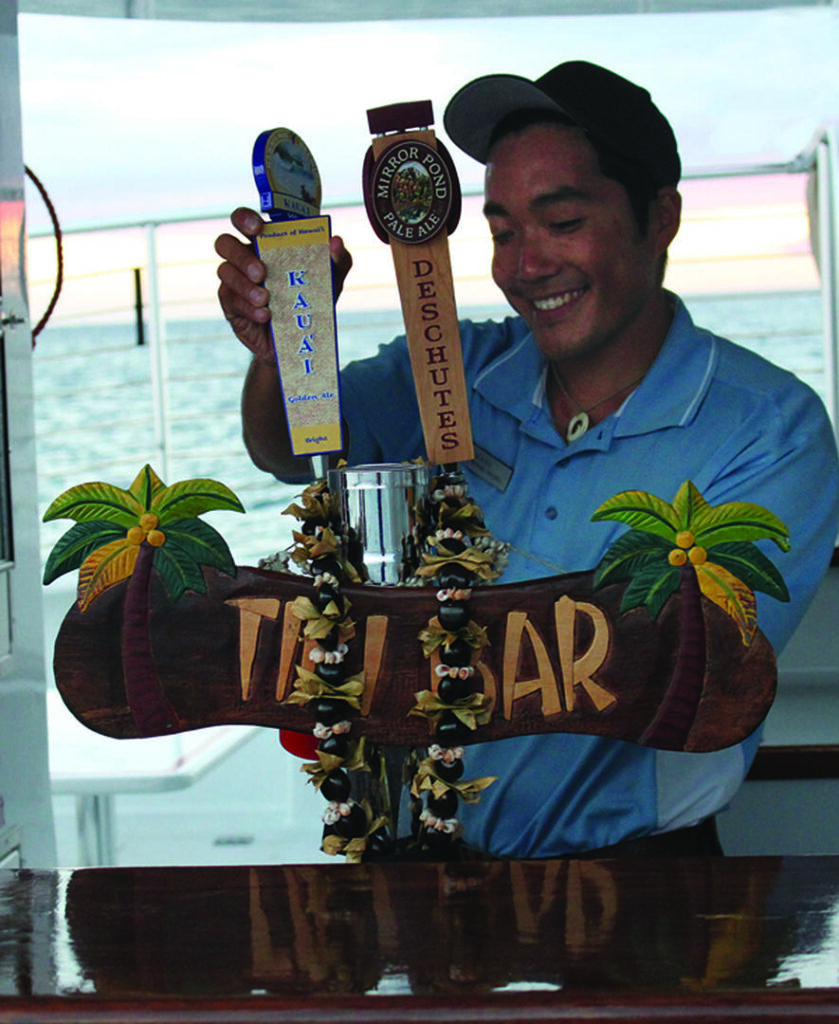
(580, 421)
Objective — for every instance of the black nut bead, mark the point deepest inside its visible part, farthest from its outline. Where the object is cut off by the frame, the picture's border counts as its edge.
(379, 844)
(326, 595)
(326, 564)
(444, 806)
(458, 654)
(455, 576)
(449, 772)
(331, 640)
(337, 746)
(453, 545)
(328, 711)
(450, 731)
(453, 615)
(354, 824)
(437, 840)
(310, 526)
(451, 478)
(451, 689)
(354, 548)
(328, 831)
(332, 672)
(336, 786)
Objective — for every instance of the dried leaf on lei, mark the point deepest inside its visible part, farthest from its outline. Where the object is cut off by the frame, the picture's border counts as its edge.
(318, 503)
(333, 845)
(321, 623)
(427, 779)
(309, 686)
(353, 849)
(473, 710)
(481, 563)
(326, 763)
(466, 518)
(435, 636)
(311, 546)
(349, 570)
(302, 513)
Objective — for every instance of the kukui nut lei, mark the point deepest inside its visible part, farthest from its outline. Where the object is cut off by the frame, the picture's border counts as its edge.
(457, 553)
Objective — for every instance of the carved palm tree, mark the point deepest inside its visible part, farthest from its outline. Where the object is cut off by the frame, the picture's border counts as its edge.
(124, 534)
(697, 549)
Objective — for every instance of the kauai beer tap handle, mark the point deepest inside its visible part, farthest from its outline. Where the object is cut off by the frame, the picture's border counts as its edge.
(295, 251)
(412, 197)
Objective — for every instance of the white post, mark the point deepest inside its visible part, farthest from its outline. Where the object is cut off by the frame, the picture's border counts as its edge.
(157, 352)
(827, 213)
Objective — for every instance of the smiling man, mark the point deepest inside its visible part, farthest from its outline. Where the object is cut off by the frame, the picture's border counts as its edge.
(574, 264)
(601, 383)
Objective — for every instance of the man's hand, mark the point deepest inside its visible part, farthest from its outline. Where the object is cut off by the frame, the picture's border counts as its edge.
(242, 294)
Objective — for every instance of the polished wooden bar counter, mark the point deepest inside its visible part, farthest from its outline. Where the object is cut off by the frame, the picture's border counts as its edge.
(630, 940)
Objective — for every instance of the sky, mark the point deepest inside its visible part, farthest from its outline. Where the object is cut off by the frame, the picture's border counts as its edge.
(131, 117)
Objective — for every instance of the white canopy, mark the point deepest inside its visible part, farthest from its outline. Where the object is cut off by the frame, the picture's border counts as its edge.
(384, 10)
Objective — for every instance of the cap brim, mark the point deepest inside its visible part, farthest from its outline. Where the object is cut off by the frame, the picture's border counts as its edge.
(475, 110)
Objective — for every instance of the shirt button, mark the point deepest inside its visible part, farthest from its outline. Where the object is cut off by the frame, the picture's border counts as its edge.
(551, 513)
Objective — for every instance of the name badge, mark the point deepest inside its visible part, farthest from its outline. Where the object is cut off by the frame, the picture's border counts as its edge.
(491, 469)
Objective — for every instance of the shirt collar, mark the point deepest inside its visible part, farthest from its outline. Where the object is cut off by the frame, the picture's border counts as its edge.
(668, 396)
(515, 380)
(675, 385)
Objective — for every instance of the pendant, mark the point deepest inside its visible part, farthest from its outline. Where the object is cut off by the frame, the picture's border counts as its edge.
(577, 426)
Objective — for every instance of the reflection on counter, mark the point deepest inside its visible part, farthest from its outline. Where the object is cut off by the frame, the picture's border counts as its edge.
(559, 927)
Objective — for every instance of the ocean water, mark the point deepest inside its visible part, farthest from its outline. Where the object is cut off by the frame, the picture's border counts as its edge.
(95, 410)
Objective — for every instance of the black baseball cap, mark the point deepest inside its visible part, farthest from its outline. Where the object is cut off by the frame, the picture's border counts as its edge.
(610, 109)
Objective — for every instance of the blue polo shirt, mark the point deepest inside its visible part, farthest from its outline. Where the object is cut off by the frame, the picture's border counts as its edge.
(710, 411)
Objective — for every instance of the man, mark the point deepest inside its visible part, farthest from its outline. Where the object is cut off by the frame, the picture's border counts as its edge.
(601, 383)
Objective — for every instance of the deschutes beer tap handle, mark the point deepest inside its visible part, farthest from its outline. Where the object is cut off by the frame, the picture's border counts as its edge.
(412, 197)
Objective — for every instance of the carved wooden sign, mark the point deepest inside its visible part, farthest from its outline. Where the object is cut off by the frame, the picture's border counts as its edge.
(561, 658)
(659, 645)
